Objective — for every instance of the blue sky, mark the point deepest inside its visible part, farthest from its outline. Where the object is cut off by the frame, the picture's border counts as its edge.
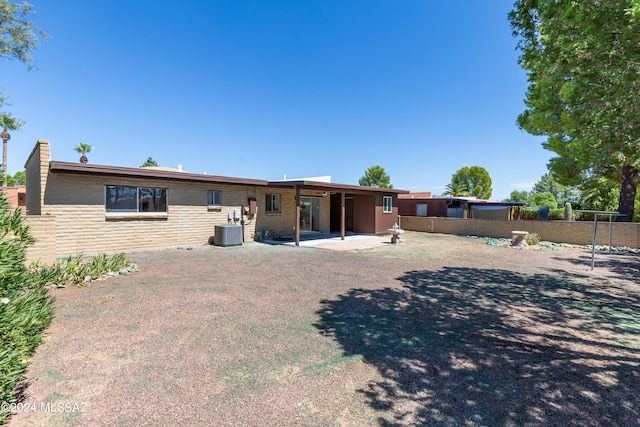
(260, 89)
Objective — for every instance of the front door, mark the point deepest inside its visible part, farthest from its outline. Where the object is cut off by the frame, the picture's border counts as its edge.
(310, 214)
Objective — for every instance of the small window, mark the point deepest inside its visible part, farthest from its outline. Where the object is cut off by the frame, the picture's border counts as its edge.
(421, 209)
(387, 204)
(214, 198)
(135, 199)
(272, 203)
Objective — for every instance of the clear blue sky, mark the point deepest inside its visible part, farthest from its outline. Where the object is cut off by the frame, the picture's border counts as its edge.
(259, 89)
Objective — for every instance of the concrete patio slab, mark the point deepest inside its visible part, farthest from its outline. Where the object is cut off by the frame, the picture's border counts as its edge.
(334, 242)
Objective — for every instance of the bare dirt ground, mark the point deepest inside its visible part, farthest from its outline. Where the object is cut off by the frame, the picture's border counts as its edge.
(438, 330)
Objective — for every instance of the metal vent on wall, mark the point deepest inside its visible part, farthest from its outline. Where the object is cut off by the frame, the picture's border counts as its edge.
(228, 235)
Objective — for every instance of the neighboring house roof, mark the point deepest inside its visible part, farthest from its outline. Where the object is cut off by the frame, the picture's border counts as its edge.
(80, 168)
(417, 195)
(325, 186)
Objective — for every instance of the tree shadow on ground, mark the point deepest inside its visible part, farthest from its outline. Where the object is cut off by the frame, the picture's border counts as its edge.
(464, 346)
(626, 267)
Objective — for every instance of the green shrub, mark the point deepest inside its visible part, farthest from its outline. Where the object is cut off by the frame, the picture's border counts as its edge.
(532, 214)
(79, 270)
(532, 239)
(25, 307)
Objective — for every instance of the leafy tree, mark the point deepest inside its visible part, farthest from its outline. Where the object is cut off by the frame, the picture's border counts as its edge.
(518, 196)
(543, 199)
(600, 194)
(375, 176)
(18, 36)
(149, 162)
(83, 149)
(475, 180)
(584, 86)
(7, 123)
(561, 193)
(19, 178)
(456, 189)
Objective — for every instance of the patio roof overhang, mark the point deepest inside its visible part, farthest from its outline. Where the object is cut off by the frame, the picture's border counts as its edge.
(342, 189)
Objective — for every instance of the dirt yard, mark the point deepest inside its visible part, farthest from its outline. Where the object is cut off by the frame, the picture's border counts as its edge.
(437, 330)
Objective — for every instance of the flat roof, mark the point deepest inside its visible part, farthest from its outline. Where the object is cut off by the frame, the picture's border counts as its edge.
(85, 168)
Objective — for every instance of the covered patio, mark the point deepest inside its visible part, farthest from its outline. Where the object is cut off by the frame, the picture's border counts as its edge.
(353, 208)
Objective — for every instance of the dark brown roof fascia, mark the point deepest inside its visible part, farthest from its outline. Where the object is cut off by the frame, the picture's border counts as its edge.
(80, 168)
(327, 186)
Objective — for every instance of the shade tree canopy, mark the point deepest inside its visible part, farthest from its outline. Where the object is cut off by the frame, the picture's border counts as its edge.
(584, 88)
(375, 176)
(149, 162)
(18, 36)
(472, 181)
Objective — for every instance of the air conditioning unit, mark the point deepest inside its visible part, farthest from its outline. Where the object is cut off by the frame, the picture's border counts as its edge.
(228, 235)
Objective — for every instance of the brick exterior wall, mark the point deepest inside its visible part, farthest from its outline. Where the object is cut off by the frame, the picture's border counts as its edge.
(71, 216)
(282, 224)
(43, 229)
(36, 171)
(82, 224)
(574, 232)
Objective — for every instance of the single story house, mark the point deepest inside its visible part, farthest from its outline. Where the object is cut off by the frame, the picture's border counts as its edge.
(86, 208)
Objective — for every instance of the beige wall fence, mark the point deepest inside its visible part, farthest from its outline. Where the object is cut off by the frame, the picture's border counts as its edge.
(574, 232)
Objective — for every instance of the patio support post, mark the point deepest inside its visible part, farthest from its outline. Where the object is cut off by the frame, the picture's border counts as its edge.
(342, 215)
(297, 224)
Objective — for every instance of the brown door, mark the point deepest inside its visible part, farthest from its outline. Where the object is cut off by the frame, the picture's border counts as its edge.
(348, 204)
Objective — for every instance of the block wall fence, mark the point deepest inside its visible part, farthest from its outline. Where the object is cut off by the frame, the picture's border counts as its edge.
(574, 232)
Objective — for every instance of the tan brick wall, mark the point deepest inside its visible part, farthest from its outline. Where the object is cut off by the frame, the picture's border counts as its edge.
(282, 224)
(574, 232)
(43, 229)
(36, 171)
(82, 224)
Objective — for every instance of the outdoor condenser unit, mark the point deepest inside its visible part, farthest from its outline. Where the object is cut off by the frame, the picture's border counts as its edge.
(228, 235)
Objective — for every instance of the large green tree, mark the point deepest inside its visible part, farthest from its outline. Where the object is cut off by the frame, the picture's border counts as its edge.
(518, 196)
(474, 181)
(582, 59)
(375, 176)
(562, 193)
(18, 36)
(149, 162)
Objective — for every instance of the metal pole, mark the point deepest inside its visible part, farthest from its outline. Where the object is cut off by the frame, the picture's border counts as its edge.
(610, 231)
(297, 225)
(593, 246)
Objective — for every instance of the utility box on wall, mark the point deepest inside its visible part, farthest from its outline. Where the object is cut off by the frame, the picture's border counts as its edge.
(228, 235)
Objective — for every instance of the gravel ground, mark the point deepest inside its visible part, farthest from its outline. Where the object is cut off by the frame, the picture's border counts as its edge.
(437, 330)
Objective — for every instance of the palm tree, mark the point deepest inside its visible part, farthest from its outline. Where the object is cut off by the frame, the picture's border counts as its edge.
(83, 149)
(456, 189)
(7, 122)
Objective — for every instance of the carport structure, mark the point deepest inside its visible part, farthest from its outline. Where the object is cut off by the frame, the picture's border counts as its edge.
(367, 210)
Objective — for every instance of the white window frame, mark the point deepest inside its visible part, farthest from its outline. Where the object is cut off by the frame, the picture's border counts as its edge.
(212, 195)
(387, 204)
(271, 200)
